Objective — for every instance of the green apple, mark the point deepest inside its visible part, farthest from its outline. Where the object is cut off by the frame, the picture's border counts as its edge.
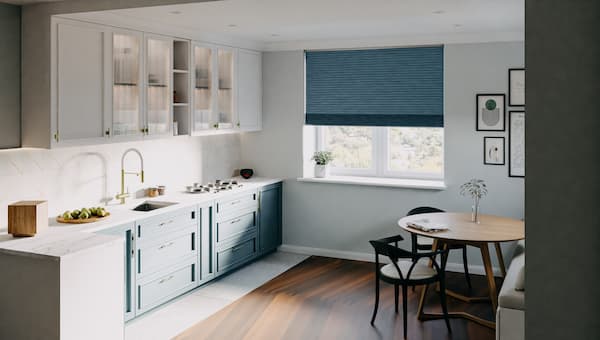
(67, 215)
(84, 215)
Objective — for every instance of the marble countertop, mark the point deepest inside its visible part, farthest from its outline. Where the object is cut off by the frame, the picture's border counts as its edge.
(61, 240)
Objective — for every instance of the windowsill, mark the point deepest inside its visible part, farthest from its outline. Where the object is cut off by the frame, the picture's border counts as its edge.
(379, 182)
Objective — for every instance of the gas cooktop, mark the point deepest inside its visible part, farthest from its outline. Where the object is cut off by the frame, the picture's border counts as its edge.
(215, 187)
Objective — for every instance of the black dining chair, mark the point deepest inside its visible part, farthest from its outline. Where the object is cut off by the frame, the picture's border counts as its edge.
(408, 269)
(425, 243)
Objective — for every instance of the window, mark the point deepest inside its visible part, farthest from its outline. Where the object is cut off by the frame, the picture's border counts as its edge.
(379, 111)
(400, 152)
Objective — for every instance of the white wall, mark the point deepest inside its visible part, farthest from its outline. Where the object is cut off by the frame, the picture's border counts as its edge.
(73, 177)
(344, 217)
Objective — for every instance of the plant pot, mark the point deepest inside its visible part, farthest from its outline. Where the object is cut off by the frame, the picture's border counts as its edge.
(321, 171)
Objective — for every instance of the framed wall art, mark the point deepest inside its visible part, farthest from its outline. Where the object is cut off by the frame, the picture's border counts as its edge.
(493, 150)
(516, 144)
(516, 87)
(490, 111)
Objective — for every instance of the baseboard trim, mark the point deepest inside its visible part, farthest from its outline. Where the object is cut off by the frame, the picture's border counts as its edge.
(366, 257)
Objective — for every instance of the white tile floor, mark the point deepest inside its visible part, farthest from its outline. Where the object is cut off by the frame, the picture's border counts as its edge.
(169, 320)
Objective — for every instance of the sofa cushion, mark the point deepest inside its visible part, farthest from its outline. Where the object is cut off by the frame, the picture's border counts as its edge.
(509, 297)
(520, 280)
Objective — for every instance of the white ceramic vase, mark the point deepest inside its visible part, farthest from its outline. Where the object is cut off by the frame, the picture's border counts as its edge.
(321, 171)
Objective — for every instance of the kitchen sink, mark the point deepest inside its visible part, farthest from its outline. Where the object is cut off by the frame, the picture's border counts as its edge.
(153, 205)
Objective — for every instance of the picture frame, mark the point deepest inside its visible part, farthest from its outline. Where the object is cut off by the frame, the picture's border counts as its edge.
(490, 112)
(493, 151)
(516, 87)
(516, 143)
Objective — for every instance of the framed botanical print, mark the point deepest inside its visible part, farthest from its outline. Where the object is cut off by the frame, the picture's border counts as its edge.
(516, 144)
(516, 87)
(490, 111)
(493, 150)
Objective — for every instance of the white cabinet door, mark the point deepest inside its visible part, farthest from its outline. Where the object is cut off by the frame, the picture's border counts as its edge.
(159, 66)
(80, 77)
(250, 90)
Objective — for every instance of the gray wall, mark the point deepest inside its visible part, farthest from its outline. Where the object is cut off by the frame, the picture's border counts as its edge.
(345, 217)
(10, 76)
(563, 169)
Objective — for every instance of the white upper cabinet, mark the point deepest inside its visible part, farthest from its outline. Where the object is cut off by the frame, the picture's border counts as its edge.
(127, 117)
(204, 60)
(249, 90)
(111, 84)
(227, 86)
(80, 64)
(159, 62)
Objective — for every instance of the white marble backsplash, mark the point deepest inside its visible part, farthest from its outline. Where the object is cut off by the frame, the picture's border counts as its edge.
(73, 177)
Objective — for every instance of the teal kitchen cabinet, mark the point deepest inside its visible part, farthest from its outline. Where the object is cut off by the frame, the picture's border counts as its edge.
(128, 232)
(270, 217)
(207, 257)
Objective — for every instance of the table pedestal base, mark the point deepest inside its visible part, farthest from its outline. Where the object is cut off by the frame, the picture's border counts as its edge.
(493, 296)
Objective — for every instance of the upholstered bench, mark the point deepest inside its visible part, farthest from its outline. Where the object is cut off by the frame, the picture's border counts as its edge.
(510, 316)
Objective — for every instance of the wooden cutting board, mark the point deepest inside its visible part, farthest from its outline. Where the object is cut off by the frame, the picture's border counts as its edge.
(59, 219)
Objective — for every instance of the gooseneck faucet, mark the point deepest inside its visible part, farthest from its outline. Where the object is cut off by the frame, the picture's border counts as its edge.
(123, 195)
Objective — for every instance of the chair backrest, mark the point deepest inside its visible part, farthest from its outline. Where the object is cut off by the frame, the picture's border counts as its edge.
(423, 210)
(383, 247)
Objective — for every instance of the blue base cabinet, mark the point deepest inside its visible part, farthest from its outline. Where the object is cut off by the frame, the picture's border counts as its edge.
(270, 218)
(172, 253)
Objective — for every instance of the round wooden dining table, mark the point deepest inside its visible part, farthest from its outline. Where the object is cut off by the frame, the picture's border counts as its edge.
(461, 230)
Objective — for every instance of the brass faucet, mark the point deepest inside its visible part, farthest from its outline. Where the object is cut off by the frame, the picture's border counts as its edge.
(123, 195)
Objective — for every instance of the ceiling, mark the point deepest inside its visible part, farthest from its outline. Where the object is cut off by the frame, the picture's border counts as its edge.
(284, 24)
(26, 2)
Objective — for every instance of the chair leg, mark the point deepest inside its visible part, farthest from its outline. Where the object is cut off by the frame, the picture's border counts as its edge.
(396, 297)
(404, 308)
(376, 299)
(466, 266)
(444, 304)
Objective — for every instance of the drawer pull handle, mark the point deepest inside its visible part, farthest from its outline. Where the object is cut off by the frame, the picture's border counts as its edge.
(165, 279)
(165, 246)
(235, 221)
(236, 202)
(165, 223)
(234, 249)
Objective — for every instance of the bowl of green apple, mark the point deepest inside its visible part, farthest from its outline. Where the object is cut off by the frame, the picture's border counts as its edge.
(83, 215)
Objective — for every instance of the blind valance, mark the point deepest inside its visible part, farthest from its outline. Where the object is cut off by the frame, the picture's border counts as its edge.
(376, 87)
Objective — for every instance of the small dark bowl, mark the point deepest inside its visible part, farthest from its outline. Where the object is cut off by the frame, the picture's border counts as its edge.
(246, 173)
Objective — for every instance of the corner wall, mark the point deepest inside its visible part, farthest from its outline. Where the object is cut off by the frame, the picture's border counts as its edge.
(344, 217)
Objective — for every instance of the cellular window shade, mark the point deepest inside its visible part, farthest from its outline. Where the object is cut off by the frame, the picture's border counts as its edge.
(376, 87)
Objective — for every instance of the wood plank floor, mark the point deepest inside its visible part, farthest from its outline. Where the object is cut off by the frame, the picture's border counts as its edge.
(325, 298)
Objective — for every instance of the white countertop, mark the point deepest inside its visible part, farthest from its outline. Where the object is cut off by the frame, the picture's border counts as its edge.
(61, 240)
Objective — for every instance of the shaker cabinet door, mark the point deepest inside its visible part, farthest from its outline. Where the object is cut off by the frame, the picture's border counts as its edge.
(270, 218)
(249, 90)
(80, 80)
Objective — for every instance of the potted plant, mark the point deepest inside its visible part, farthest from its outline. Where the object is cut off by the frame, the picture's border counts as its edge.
(322, 160)
(477, 189)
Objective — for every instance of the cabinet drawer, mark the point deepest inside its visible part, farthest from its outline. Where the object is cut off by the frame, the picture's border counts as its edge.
(231, 205)
(166, 250)
(165, 223)
(161, 288)
(237, 226)
(229, 258)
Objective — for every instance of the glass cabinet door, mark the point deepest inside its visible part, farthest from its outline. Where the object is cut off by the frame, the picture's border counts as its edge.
(203, 88)
(126, 114)
(158, 78)
(225, 114)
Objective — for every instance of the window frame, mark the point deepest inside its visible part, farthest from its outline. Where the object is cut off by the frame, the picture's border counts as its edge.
(380, 158)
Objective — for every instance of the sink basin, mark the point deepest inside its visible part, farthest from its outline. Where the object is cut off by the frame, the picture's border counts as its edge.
(153, 205)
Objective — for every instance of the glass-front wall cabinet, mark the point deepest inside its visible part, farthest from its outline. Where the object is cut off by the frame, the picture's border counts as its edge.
(158, 79)
(203, 88)
(127, 116)
(226, 107)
